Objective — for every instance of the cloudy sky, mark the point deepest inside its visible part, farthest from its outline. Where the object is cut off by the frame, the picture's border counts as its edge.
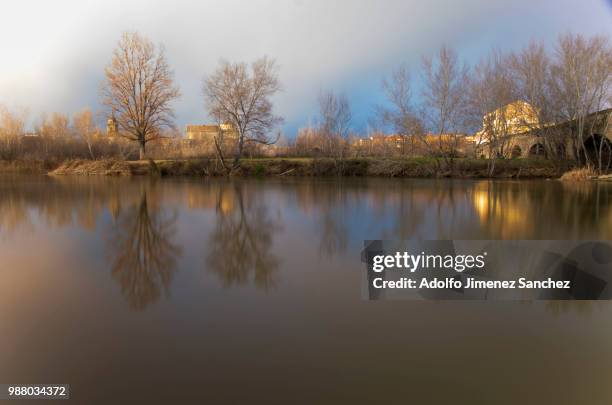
(54, 52)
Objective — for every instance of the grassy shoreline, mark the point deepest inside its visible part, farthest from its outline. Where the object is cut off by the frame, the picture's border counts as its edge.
(303, 167)
(26, 166)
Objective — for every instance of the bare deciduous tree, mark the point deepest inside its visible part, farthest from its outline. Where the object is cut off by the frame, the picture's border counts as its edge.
(531, 69)
(241, 96)
(140, 89)
(335, 120)
(581, 83)
(491, 91)
(55, 126)
(83, 124)
(399, 114)
(11, 129)
(12, 123)
(444, 96)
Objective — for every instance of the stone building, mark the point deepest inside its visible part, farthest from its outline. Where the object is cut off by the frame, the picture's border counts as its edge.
(207, 133)
(200, 139)
(515, 118)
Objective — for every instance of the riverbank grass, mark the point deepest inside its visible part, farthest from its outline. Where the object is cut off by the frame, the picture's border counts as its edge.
(420, 167)
(579, 174)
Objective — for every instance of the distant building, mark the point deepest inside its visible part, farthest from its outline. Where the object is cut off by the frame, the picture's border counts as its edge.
(208, 132)
(111, 126)
(515, 118)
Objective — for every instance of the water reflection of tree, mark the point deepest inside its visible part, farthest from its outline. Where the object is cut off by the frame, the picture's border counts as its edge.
(143, 254)
(334, 234)
(408, 205)
(338, 206)
(329, 204)
(240, 245)
(333, 204)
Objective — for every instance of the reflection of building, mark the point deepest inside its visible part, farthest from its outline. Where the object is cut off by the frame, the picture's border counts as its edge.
(501, 210)
(215, 197)
(200, 198)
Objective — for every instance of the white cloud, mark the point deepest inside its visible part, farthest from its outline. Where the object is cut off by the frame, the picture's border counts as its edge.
(54, 52)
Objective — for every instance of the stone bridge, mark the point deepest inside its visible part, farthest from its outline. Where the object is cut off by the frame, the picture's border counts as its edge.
(557, 140)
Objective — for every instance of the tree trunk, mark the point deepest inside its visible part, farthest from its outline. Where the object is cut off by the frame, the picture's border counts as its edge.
(238, 155)
(142, 151)
(219, 148)
(90, 150)
(236, 163)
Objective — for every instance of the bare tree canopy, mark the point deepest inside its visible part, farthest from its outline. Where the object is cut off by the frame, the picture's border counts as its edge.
(444, 99)
(83, 125)
(399, 114)
(335, 113)
(582, 84)
(11, 128)
(531, 73)
(140, 89)
(335, 119)
(54, 126)
(444, 92)
(492, 87)
(582, 74)
(12, 123)
(240, 95)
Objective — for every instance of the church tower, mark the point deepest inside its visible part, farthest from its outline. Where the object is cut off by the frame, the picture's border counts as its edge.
(111, 126)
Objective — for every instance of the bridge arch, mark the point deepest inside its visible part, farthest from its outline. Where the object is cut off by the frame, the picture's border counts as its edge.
(537, 150)
(516, 152)
(592, 145)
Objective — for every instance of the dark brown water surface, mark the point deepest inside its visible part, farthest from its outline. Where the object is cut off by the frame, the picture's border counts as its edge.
(194, 291)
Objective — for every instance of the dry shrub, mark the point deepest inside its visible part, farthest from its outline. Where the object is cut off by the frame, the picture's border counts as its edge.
(579, 174)
(107, 167)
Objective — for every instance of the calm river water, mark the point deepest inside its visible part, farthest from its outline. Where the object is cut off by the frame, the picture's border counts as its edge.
(196, 291)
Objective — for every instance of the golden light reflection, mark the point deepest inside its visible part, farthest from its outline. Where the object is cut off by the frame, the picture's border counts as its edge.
(502, 211)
